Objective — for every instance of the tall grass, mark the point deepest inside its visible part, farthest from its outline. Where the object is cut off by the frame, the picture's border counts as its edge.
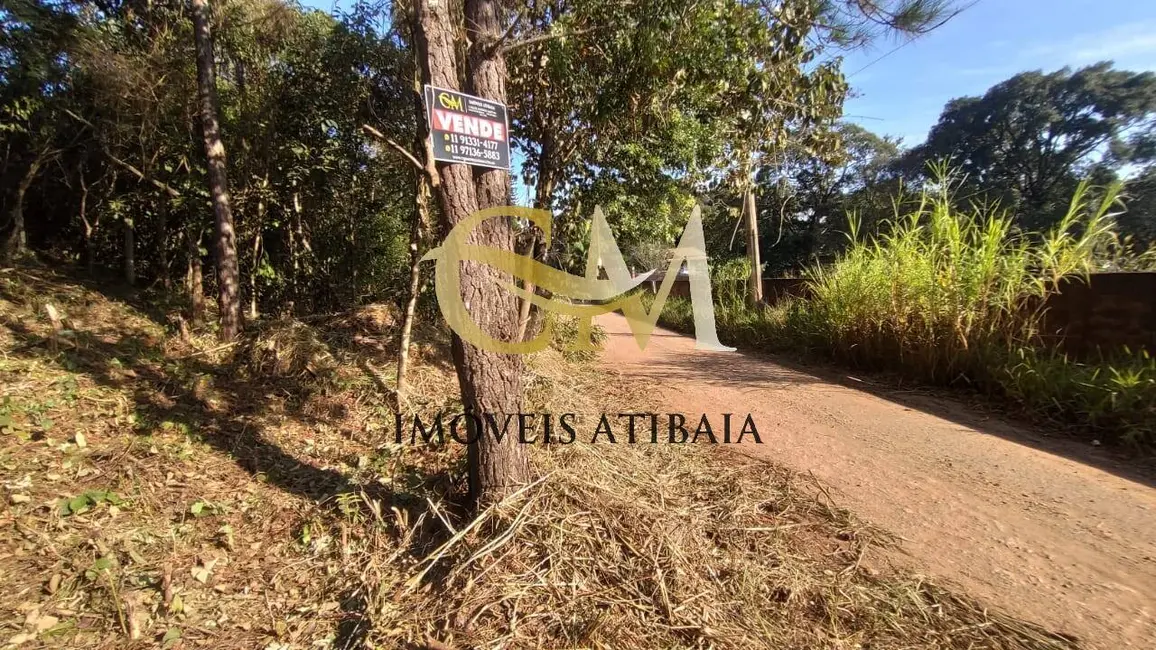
(953, 296)
(946, 290)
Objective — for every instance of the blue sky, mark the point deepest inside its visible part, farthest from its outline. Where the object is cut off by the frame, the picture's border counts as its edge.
(902, 93)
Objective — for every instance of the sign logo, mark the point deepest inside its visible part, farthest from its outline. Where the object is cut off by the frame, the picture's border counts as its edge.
(581, 296)
(450, 101)
(467, 129)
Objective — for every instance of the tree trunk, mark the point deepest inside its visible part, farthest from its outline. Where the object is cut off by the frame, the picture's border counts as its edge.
(421, 218)
(18, 239)
(756, 279)
(129, 252)
(89, 230)
(543, 200)
(163, 244)
(256, 263)
(254, 313)
(194, 279)
(228, 273)
(490, 382)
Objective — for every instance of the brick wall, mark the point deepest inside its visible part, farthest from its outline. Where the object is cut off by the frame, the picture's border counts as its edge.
(1108, 311)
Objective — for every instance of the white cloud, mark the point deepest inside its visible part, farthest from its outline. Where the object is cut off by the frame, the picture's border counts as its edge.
(1131, 44)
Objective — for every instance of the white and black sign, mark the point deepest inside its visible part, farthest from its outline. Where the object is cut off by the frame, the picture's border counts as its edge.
(467, 129)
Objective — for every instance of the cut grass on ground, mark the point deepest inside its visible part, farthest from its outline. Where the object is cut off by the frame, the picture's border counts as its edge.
(161, 493)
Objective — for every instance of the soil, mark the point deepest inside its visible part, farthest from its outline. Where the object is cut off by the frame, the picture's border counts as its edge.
(1049, 529)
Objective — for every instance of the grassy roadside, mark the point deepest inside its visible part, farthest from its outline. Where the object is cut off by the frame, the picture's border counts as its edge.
(956, 297)
(168, 493)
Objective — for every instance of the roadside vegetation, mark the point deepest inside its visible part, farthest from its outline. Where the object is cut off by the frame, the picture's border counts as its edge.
(169, 492)
(955, 296)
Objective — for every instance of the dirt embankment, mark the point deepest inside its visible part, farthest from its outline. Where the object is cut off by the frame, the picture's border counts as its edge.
(1050, 530)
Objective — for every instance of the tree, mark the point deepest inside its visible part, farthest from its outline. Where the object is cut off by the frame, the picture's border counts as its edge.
(228, 273)
(600, 98)
(608, 113)
(1139, 219)
(808, 198)
(32, 39)
(1028, 140)
(490, 382)
(112, 89)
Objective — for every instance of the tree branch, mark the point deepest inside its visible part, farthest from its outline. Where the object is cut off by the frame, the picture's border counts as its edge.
(391, 142)
(171, 191)
(545, 37)
(498, 44)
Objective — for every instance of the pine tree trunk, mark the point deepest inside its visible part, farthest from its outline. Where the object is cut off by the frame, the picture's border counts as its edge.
(228, 272)
(490, 382)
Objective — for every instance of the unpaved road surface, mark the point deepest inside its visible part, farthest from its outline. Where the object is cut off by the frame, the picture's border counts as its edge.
(1050, 530)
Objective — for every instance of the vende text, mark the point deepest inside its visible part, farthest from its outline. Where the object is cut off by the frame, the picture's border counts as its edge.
(468, 125)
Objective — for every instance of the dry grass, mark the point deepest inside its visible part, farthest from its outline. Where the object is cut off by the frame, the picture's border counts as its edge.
(679, 547)
(256, 502)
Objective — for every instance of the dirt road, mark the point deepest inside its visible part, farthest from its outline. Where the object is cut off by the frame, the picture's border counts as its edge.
(1051, 530)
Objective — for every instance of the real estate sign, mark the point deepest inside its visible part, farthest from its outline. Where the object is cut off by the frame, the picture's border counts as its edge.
(467, 129)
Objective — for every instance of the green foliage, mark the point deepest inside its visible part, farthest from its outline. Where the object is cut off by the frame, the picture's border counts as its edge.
(321, 210)
(946, 287)
(88, 500)
(603, 108)
(203, 508)
(607, 112)
(100, 567)
(804, 200)
(1115, 394)
(729, 282)
(564, 330)
(171, 637)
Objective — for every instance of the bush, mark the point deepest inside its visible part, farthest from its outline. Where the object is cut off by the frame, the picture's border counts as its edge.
(565, 335)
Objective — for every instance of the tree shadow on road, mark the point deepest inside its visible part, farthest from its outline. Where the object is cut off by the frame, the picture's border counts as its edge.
(752, 372)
